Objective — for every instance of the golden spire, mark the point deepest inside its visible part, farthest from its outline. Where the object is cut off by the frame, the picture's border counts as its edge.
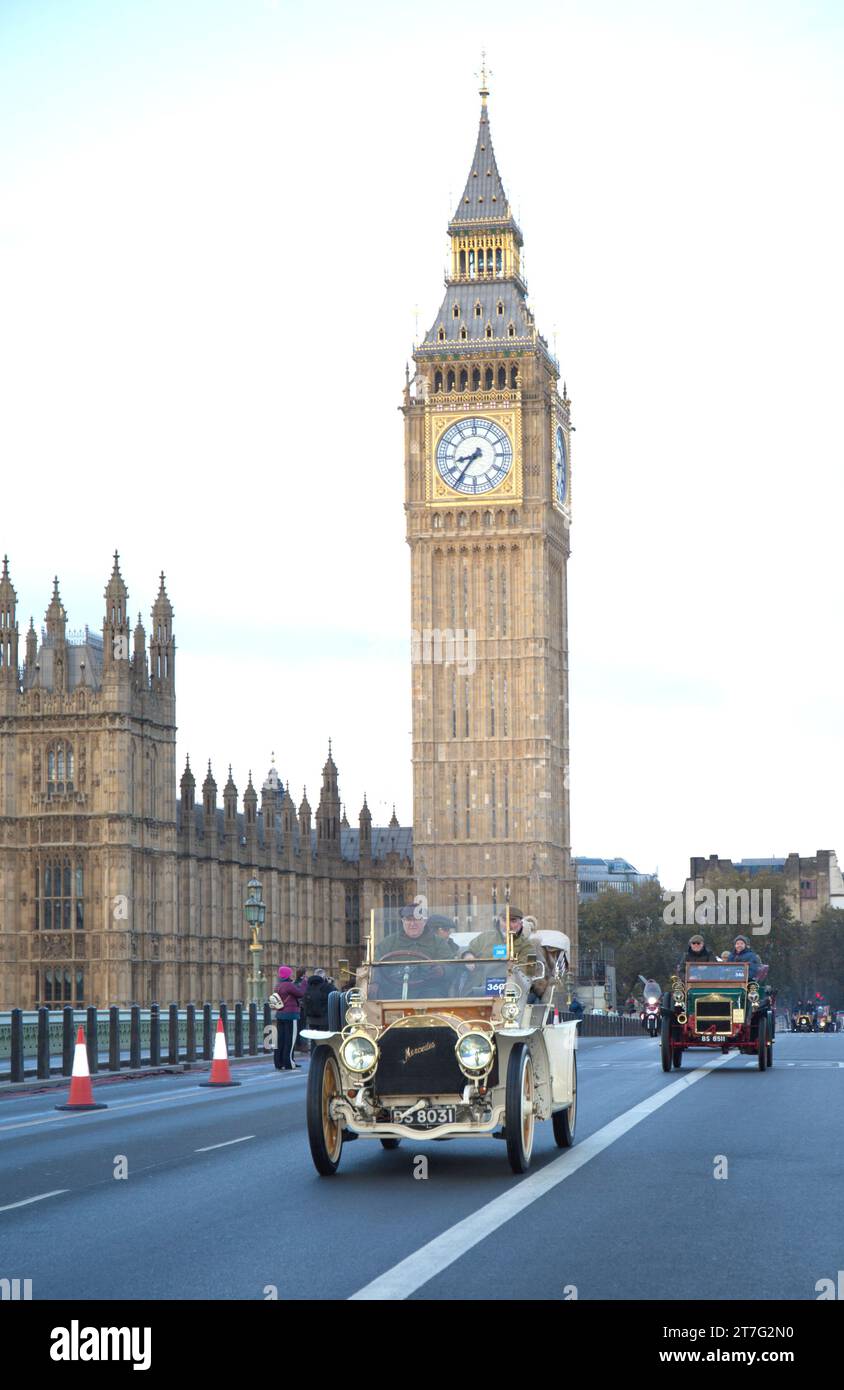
(485, 74)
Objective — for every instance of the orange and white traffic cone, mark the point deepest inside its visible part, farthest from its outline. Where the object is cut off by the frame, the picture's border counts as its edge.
(81, 1092)
(220, 1069)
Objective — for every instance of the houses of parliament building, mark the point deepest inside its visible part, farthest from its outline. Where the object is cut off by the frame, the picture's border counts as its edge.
(120, 884)
(113, 888)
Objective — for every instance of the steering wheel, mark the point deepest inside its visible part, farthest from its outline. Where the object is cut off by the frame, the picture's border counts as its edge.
(393, 975)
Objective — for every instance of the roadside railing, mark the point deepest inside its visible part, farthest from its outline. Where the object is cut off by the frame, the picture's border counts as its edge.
(39, 1043)
(607, 1025)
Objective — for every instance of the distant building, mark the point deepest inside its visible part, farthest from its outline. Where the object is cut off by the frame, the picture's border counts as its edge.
(603, 875)
(810, 884)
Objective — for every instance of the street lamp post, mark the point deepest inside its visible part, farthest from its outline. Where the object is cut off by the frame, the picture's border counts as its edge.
(255, 911)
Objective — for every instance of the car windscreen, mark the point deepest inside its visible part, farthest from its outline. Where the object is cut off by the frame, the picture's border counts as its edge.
(722, 972)
(417, 929)
(473, 978)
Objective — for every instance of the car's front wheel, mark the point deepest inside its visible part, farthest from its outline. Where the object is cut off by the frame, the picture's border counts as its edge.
(519, 1118)
(325, 1134)
(563, 1121)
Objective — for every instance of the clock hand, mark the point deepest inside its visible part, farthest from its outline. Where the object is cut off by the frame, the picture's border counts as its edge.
(471, 459)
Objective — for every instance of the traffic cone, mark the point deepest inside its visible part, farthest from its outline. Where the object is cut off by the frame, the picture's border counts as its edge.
(220, 1070)
(81, 1093)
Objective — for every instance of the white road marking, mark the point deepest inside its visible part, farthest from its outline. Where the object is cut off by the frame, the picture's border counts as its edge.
(225, 1144)
(411, 1273)
(42, 1197)
(192, 1093)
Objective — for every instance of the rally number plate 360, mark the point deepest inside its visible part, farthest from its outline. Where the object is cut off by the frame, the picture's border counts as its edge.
(424, 1119)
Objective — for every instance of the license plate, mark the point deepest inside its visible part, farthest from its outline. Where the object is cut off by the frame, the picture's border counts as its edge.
(717, 1037)
(425, 1119)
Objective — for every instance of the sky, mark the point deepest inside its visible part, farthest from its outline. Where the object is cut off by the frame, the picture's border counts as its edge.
(222, 228)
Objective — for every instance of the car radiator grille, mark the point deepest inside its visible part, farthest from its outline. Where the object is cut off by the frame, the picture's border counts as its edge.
(419, 1062)
(717, 1012)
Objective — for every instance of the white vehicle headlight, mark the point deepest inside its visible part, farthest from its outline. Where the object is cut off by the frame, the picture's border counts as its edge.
(359, 1053)
(510, 1011)
(475, 1052)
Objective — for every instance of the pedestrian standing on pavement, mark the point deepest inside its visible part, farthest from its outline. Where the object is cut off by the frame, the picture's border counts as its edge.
(289, 993)
(315, 1002)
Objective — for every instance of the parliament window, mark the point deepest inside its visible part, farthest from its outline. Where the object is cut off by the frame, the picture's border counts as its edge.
(353, 916)
(59, 767)
(59, 896)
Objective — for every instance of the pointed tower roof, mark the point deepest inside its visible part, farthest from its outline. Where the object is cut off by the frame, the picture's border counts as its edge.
(56, 617)
(230, 786)
(116, 594)
(162, 602)
(344, 820)
(209, 783)
(330, 765)
(394, 824)
(6, 590)
(188, 779)
(484, 199)
(272, 781)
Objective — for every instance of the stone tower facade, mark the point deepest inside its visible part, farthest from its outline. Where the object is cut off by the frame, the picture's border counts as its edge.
(113, 888)
(488, 507)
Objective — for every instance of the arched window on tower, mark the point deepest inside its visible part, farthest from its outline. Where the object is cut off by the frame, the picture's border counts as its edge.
(438, 381)
(514, 377)
(464, 379)
(499, 270)
(480, 262)
(476, 378)
(441, 335)
(450, 379)
(502, 378)
(489, 330)
(462, 262)
(477, 308)
(455, 312)
(463, 334)
(471, 265)
(511, 330)
(500, 307)
(488, 378)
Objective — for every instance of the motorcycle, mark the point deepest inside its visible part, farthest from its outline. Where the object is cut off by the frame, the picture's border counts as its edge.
(650, 1015)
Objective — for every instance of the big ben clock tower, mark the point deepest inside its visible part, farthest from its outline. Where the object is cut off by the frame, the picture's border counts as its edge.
(488, 503)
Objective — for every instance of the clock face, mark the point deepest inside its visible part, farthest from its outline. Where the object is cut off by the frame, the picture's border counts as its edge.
(474, 455)
(560, 464)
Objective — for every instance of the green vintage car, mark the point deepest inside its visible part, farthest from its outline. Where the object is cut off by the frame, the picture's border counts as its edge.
(715, 1006)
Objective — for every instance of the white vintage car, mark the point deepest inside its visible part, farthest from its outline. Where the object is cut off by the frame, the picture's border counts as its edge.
(436, 1040)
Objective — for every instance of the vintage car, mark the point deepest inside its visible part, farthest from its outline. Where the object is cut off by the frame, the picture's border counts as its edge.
(432, 1043)
(803, 1022)
(716, 1006)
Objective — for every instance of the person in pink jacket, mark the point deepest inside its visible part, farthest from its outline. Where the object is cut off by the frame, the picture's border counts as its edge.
(287, 1018)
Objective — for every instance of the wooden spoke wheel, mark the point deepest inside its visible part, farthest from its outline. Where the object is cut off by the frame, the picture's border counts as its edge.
(563, 1121)
(325, 1134)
